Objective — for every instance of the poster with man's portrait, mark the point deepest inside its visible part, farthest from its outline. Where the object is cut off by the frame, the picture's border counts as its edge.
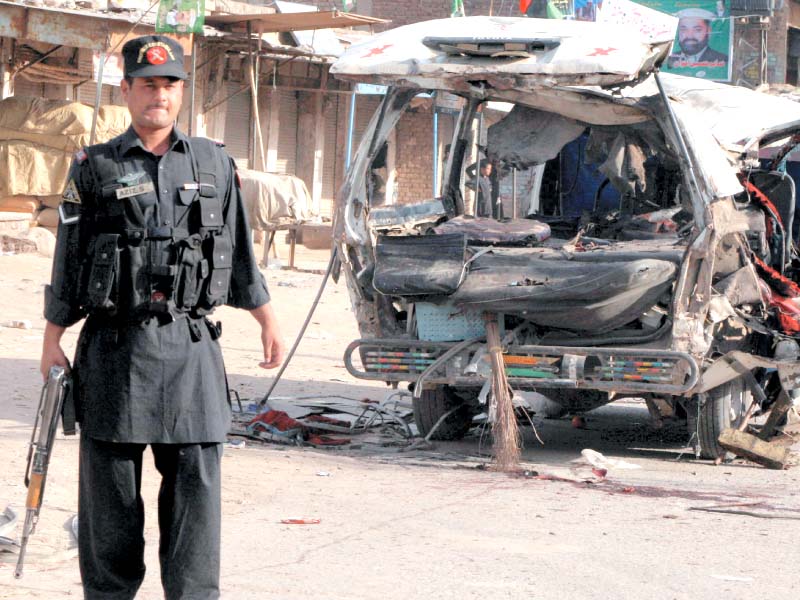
(180, 16)
(703, 43)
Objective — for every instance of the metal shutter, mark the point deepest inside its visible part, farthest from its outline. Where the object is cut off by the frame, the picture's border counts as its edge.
(330, 165)
(366, 105)
(86, 94)
(237, 125)
(55, 91)
(23, 87)
(287, 133)
(87, 91)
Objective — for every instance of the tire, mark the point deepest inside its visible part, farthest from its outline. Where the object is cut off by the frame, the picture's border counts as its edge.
(725, 406)
(432, 404)
(574, 401)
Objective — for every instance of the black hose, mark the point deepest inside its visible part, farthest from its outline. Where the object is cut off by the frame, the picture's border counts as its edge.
(610, 339)
(302, 332)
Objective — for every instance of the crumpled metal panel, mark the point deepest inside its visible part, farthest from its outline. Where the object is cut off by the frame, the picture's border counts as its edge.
(406, 215)
(736, 116)
(526, 136)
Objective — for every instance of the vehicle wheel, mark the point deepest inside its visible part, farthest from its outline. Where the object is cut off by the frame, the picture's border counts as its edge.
(725, 406)
(574, 401)
(432, 404)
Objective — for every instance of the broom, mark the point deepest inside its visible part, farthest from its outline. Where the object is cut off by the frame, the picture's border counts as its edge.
(504, 426)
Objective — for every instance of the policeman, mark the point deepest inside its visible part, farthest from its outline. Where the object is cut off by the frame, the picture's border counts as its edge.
(153, 236)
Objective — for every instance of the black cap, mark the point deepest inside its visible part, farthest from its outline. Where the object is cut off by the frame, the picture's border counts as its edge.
(153, 56)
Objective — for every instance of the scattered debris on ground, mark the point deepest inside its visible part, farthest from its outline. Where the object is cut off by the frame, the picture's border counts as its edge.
(325, 422)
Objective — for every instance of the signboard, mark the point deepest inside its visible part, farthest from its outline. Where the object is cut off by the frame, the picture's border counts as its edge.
(654, 25)
(371, 89)
(112, 69)
(181, 16)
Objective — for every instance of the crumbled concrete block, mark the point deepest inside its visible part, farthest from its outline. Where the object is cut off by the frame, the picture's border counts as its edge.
(758, 451)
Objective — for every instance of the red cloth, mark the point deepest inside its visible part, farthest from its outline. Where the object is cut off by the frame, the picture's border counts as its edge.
(327, 420)
(278, 419)
(283, 422)
(784, 298)
(325, 440)
(779, 283)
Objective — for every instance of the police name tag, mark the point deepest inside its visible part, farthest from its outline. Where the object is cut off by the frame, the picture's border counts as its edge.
(135, 190)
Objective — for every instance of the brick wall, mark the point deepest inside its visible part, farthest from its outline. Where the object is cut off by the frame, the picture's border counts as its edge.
(747, 50)
(403, 12)
(499, 8)
(777, 41)
(415, 129)
(414, 155)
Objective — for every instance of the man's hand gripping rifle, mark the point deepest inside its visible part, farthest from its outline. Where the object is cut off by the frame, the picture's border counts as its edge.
(41, 447)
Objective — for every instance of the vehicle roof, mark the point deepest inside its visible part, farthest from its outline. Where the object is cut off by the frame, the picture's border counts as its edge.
(575, 53)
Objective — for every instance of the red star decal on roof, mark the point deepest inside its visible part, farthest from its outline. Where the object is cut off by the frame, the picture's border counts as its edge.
(602, 51)
(377, 50)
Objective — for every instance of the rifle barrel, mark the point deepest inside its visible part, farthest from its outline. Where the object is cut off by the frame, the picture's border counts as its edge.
(44, 431)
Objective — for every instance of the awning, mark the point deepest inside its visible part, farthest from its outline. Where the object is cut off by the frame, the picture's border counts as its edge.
(266, 23)
(76, 28)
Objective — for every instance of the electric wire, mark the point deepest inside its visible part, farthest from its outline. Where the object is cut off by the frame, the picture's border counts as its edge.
(302, 331)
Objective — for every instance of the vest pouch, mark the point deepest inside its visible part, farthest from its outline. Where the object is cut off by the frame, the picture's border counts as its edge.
(210, 211)
(103, 276)
(220, 276)
(134, 285)
(191, 272)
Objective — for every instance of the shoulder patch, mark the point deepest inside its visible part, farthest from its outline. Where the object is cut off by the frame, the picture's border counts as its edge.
(81, 156)
(71, 193)
(69, 213)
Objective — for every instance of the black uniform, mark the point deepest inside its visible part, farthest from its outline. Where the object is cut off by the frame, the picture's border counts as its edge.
(147, 247)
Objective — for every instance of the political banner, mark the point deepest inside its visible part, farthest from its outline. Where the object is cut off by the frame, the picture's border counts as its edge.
(704, 42)
(181, 16)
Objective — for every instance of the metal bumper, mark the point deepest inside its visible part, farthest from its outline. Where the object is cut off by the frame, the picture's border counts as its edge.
(527, 367)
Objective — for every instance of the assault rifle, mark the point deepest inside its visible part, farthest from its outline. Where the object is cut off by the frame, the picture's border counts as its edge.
(41, 447)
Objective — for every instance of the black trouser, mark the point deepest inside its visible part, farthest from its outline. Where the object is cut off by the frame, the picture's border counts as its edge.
(111, 519)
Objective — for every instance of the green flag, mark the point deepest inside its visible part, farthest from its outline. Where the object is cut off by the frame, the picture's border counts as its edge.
(181, 16)
(553, 12)
(458, 9)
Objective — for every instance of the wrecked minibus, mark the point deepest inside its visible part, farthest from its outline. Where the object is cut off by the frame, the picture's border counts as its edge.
(674, 280)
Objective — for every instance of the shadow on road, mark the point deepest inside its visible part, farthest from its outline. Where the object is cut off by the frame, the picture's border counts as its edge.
(622, 429)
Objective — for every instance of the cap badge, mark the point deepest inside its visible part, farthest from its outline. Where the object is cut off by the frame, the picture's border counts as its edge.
(156, 56)
(155, 53)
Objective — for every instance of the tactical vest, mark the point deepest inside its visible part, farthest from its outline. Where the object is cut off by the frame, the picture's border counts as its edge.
(134, 271)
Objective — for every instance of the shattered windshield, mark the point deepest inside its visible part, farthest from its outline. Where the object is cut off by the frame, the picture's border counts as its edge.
(518, 172)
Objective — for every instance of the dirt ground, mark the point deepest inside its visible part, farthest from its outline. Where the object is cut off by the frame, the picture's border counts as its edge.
(424, 524)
